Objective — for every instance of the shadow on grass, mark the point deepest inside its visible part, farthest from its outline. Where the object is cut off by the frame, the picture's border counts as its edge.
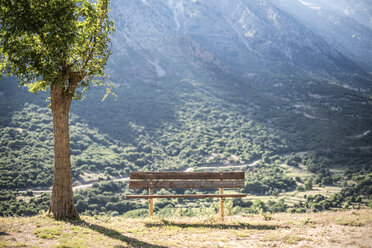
(215, 226)
(114, 234)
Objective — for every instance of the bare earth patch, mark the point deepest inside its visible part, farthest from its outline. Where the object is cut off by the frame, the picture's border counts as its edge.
(327, 229)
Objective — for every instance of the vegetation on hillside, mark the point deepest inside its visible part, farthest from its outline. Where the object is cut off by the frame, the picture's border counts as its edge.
(109, 198)
(168, 126)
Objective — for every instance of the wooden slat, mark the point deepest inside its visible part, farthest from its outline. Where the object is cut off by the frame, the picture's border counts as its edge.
(186, 175)
(185, 196)
(187, 184)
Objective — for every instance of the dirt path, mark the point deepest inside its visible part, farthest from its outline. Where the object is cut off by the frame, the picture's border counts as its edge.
(37, 191)
(223, 166)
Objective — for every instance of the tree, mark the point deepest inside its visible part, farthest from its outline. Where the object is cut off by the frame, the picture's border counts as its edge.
(309, 184)
(63, 46)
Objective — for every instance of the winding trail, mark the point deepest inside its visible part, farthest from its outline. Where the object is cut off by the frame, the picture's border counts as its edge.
(39, 191)
(365, 133)
(223, 166)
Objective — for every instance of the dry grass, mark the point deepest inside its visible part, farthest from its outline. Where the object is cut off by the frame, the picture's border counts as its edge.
(328, 229)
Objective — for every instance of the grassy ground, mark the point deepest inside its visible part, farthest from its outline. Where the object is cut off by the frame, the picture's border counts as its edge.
(328, 229)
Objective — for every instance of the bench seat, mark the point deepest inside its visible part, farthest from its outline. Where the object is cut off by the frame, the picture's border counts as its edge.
(186, 196)
(186, 180)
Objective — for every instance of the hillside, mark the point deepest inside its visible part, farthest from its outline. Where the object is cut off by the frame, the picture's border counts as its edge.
(337, 229)
(210, 85)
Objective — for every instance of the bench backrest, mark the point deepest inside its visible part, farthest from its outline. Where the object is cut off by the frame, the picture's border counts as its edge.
(184, 180)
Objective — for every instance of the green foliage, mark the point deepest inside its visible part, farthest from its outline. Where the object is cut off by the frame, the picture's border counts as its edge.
(105, 197)
(27, 156)
(267, 179)
(350, 197)
(15, 204)
(137, 213)
(49, 42)
(309, 184)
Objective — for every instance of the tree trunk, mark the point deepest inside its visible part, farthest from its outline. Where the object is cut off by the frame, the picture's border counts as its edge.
(62, 202)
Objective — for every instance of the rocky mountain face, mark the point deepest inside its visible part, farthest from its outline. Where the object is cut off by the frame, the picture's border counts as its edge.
(347, 25)
(148, 46)
(249, 39)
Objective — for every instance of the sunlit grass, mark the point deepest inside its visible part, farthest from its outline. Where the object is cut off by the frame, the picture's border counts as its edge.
(282, 230)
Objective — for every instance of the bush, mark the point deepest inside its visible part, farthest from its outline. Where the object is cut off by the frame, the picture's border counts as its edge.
(300, 188)
(137, 213)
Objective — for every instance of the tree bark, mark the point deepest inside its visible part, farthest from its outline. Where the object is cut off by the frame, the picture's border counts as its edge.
(62, 201)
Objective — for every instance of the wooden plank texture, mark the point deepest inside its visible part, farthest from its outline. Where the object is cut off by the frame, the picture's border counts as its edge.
(184, 196)
(187, 184)
(186, 175)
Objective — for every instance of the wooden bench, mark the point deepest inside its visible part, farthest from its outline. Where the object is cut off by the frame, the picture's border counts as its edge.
(186, 180)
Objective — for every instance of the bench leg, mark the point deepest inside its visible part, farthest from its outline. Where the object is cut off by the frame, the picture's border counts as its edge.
(151, 203)
(222, 214)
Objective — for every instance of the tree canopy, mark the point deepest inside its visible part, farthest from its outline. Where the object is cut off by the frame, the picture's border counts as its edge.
(48, 42)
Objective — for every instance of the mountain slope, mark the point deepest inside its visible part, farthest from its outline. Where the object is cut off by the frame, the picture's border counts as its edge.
(201, 83)
(247, 37)
(344, 24)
